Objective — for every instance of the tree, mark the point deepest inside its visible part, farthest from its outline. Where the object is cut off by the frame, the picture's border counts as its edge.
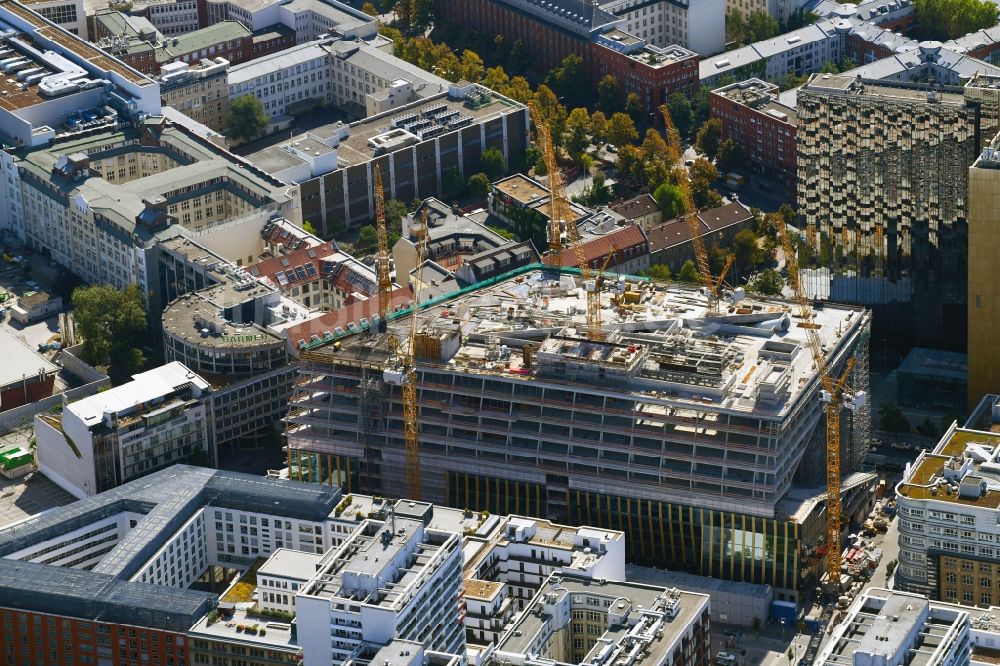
(787, 214)
(569, 80)
(702, 169)
(709, 137)
(829, 67)
(747, 251)
(472, 68)
(367, 237)
(496, 79)
(577, 129)
(520, 57)
(634, 108)
(729, 156)
(112, 323)
(369, 8)
(670, 200)
(769, 283)
(492, 163)
(598, 126)
(891, 419)
(552, 112)
(734, 26)
(452, 183)
(308, 227)
(760, 26)
(479, 185)
(247, 117)
(621, 130)
(519, 90)
(659, 272)
(608, 95)
(689, 273)
(681, 113)
(503, 233)
(395, 211)
(949, 19)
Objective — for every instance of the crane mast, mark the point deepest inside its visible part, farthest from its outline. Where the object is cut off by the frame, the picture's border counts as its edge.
(411, 428)
(836, 394)
(382, 263)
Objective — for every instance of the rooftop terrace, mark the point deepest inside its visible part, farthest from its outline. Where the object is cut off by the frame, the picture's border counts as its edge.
(964, 469)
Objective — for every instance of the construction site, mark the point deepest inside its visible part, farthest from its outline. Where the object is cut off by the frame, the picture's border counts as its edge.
(682, 426)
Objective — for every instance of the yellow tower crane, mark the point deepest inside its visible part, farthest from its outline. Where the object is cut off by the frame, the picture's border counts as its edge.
(411, 429)
(382, 263)
(560, 215)
(836, 393)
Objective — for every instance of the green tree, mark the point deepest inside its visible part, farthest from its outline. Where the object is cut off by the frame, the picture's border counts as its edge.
(520, 57)
(598, 126)
(729, 155)
(452, 182)
(660, 272)
(892, 419)
(689, 273)
(734, 27)
(570, 81)
(367, 237)
(829, 67)
(608, 95)
(479, 185)
(949, 19)
(621, 130)
(748, 252)
(496, 79)
(552, 111)
(471, 65)
(577, 130)
(369, 8)
(247, 118)
(670, 200)
(760, 26)
(598, 194)
(492, 163)
(112, 323)
(769, 283)
(635, 108)
(709, 137)
(681, 112)
(791, 80)
(702, 169)
(308, 227)
(787, 214)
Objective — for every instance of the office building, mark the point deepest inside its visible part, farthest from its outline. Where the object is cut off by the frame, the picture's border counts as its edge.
(888, 627)
(363, 78)
(309, 19)
(510, 392)
(984, 296)
(199, 91)
(70, 15)
(764, 128)
(948, 547)
(158, 419)
(170, 17)
(389, 580)
(96, 202)
(886, 213)
(582, 620)
(698, 25)
(414, 145)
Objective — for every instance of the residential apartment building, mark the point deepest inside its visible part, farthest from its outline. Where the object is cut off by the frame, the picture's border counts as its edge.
(415, 146)
(642, 210)
(670, 242)
(948, 546)
(158, 419)
(698, 25)
(539, 424)
(200, 92)
(886, 213)
(886, 626)
(653, 73)
(388, 580)
(984, 296)
(764, 128)
(95, 203)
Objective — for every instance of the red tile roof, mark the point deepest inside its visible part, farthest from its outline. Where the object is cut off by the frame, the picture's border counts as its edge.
(596, 250)
(401, 297)
(308, 264)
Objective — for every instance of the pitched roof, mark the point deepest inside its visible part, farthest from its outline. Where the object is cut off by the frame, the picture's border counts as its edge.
(636, 207)
(597, 249)
(676, 231)
(312, 263)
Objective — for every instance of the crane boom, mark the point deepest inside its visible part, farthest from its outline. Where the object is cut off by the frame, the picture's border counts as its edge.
(382, 264)
(556, 210)
(411, 432)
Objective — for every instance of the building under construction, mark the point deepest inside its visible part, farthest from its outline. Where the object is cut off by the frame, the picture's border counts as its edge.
(696, 434)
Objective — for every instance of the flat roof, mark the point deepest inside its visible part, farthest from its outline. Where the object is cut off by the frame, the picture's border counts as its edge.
(143, 388)
(521, 188)
(288, 563)
(20, 360)
(961, 455)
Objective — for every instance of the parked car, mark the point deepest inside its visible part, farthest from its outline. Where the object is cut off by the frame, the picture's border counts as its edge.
(901, 446)
(725, 659)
